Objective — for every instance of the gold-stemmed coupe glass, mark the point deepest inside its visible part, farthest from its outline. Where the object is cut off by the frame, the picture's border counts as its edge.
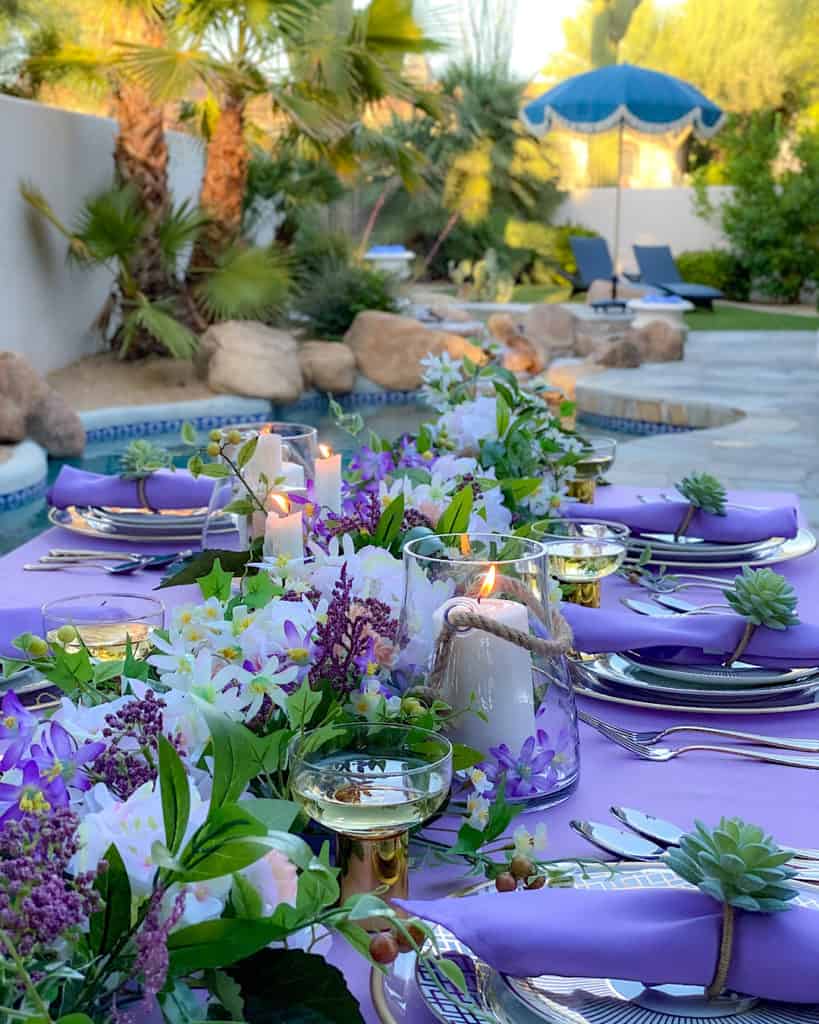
(370, 783)
(104, 623)
(596, 460)
(581, 553)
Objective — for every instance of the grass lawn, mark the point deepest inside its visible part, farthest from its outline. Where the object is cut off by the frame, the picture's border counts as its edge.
(724, 318)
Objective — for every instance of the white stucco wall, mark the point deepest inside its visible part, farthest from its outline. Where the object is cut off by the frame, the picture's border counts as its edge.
(649, 216)
(47, 306)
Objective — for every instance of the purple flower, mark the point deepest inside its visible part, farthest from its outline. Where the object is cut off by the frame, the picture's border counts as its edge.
(152, 942)
(373, 466)
(39, 901)
(34, 795)
(527, 773)
(17, 726)
(59, 756)
(366, 662)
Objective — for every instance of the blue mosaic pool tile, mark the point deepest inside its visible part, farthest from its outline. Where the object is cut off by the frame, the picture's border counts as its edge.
(621, 425)
(16, 499)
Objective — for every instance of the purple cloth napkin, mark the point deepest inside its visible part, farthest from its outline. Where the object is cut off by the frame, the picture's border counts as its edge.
(738, 526)
(653, 936)
(164, 489)
(690, 639)
(13, 622)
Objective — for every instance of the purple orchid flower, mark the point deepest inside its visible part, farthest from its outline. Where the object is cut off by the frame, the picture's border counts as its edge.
(372, 465)
(33, 795)
(527, 773)
(17, 726)
(366, 662)
(58, 755)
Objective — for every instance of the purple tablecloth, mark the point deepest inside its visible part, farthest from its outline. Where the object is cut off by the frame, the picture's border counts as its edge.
(701, 785)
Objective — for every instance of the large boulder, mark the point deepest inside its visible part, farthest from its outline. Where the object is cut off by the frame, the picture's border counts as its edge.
(622, 354)
(327, 366)
(248, 358)
(550, 328)
(659, 341)
(447, 311)
(30, 408)
(388, 348)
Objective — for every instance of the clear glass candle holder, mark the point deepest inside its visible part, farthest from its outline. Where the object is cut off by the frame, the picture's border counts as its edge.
(104, 624)
(369, 783)
(595, 461)
(515, 704)
(299, 443)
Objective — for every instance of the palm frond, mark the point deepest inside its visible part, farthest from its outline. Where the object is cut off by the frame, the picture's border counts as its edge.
(250, 283)
(80, 62)
(178, 230)
(391, 29)
(162, 326)
(109, 226)
(168, 72)
(35, 198)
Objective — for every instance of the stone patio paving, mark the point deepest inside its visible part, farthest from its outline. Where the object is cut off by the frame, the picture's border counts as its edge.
(772, 377)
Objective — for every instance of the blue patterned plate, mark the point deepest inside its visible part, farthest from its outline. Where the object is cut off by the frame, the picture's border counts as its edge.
(493, 998)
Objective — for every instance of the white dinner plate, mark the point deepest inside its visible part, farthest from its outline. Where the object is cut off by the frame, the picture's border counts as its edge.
(797, 547)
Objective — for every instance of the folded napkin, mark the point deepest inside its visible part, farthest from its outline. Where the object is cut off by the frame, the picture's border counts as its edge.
(689, 639)
(653, 936)
(737, 526)
(164, 489)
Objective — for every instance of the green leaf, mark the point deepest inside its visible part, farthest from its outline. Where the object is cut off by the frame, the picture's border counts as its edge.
(188, 434)
(301, 706)
(215, 470)
(423, 442)
(247, 283)
(470, 368)
(502, 415)
(247, 451)
(464, 757)
(217, 583)
(181, 1006)
(236, 758)
(180, 342)
(229, 994)
(286, 986)
(455, 517)
(452, 972)
(276, 815)
(500, 814)
(245, 898)
(389, 523)
(195, 465)
(218, 943)
(518, 489)
(75, 1018)
(200, 565)
(259, 590)
(176, 794)
(105, 926)
(225, 843)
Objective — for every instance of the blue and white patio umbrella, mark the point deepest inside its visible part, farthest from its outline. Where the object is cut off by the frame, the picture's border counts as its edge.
(623, 95)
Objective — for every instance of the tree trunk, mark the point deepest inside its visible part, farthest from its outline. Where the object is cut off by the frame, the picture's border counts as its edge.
(141, 160)
(223, 186)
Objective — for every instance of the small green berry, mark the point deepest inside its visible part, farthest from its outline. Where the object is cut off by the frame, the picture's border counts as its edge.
(215, 435)
(521, 867)
(213, 449)
(412, 707)
(65, 634)
(234, 437)
(506, 882)
(37, 647)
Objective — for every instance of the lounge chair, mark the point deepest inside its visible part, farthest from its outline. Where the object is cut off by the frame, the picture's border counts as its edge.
(657, 268)
(594, 264)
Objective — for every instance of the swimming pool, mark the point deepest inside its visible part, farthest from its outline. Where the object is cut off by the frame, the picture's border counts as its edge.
(17, 525)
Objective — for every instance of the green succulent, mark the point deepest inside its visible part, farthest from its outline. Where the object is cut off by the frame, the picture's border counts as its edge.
(737, 864)
(141, 458)
(764, 598)
(704, 491)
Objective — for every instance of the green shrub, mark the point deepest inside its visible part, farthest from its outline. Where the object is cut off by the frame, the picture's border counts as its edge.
(315, 250)
(335, 297)
(717, 268)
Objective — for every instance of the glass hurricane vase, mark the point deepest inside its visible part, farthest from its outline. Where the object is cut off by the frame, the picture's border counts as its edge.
(514, 704)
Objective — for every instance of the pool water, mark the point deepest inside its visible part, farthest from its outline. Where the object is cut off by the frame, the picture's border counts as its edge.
(388, 421)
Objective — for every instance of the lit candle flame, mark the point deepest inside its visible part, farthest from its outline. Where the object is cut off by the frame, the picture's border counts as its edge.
(280, 503)
(488, 584)
(325, 451)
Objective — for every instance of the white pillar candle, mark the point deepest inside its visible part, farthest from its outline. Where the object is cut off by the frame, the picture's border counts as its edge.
(497, 672)
(293, 475)
(328, 479)
(283, 531)
(267, 459)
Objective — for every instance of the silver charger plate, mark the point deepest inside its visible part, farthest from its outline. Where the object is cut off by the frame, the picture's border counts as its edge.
(708, 552)
(153, 522)
(75, 521)
(630, 675)
(138, 517)
(797, 547)
(494, 998)
(739, 673)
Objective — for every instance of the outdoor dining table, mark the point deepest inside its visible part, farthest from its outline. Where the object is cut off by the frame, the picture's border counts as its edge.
(700, 785)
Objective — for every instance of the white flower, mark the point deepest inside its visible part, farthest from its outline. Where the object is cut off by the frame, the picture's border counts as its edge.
(526, 843)
(203, 900)
(275, 879)
(478, 808)
(469, 423)
(479, 780)
(268, 683)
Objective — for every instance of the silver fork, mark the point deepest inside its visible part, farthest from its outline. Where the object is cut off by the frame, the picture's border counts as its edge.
(660, 587)
(649, 737)
(659, 754)
(661, 612)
